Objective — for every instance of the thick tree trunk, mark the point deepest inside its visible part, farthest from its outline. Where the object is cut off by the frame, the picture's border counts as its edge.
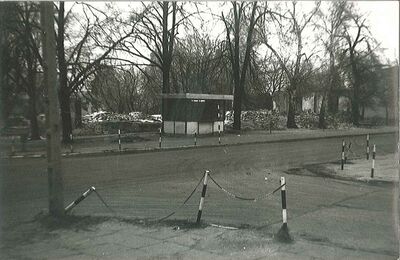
(355, 110)
(66, 120)
(237, 108)
(291, 123)
(269, 103)
(34, 126)
(315, 103)
(64, 95)
(78, 113)
(321, 118)
(355, 103)
(333, 101)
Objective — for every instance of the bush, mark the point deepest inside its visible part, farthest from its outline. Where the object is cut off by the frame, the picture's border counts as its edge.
(111, 127)
(257, 120)
(307, 119)
(340, 120)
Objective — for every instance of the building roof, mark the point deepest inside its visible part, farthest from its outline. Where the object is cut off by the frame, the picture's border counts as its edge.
(197, 96)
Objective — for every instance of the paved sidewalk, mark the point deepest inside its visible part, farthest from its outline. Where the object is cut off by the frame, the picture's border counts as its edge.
(144, 142)
(386, 169)
(110, 238)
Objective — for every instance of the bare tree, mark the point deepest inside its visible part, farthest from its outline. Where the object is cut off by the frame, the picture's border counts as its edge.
(234, 27)
(355, 32)
(101, 35)
(267, 79)
(291, 32)
(116, 90)
(24, 57)
(200, 65)
(332, 24)
(156, 36)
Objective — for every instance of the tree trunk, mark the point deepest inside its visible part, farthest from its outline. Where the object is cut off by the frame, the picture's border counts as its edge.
(386, 115)
(78, 113)
(237, 108)
(65, 102)
(34, 126)
(269, 103)
(237, 99)
(291, 123)
(321, 118)
(355, 110)
(54, 169)
(65, 96)
(362, 112)
(333, 103)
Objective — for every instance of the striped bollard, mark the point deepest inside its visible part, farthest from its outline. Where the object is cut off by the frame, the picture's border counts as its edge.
(283, 233)
(78, 200)
(195, 139)
(373, 161)
(219, 133)
(367, 146)
(219, 126)
(203, 194)
(283, 195)
(71, 147)
(119, 140)
(159, 139)
(342, 160)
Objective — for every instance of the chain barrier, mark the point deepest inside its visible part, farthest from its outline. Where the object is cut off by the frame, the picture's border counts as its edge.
(184, 202)
(244, 198)
(104, 202)
(349, 150)
(192, 193)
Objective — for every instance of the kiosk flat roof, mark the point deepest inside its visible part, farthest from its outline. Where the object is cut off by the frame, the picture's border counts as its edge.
(197, 96)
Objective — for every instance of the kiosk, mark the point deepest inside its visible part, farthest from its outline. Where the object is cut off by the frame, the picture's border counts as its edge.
(189, 113)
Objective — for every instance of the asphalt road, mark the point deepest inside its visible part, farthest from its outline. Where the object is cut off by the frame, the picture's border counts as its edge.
(341, 214)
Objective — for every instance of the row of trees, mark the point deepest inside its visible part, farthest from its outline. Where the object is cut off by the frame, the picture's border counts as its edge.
(122, 63)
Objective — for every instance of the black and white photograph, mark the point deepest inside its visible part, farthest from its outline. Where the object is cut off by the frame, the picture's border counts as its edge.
(199, 130)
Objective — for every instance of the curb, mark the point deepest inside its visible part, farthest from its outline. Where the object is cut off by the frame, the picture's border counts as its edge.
(149, 150)
(369, 181)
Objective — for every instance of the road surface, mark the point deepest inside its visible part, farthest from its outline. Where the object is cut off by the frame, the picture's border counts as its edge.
(341, 214)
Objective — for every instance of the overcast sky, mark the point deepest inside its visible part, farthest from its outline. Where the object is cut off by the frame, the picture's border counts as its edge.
(384, 21)
(383, 17)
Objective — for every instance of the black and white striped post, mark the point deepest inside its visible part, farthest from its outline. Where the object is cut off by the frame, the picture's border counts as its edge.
(159, 138)
(203, 194)
(283, 233)
(283, 195)
(367, 146)
(342, 160)
(373, 161)
(78, 200)
(219, 127)
(119, 140)
(71, 146)
(195, 139)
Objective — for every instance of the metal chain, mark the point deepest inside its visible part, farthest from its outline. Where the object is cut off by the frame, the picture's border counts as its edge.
(186, 200)
(105, 204)
(244, 198)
